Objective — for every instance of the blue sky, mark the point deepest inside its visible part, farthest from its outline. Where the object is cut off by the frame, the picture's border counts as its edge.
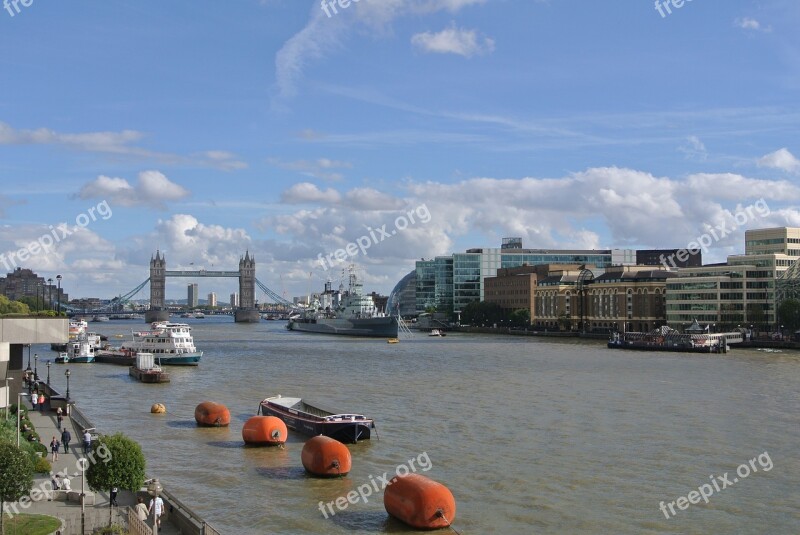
(211, 128)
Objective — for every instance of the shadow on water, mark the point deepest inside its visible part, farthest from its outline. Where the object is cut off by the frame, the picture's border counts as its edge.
(374, 521)
(228, 444)
(182, 424)
(284, 473)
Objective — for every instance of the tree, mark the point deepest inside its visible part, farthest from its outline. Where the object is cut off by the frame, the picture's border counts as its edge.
(12, 307)
(520, 317)
(789, 314)
(16, 476)
(118, 462)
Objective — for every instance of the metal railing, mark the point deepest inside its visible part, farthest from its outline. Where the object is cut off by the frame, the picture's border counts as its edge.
(96, 518)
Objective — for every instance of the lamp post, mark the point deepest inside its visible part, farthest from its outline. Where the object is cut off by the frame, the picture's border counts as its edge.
(67, 375)
(7, 407)
(35, 369)
(19, 412)
(83, 464)
(58, 294)
(50, 294)
(29, 357)
(48, 375)
(154, 488)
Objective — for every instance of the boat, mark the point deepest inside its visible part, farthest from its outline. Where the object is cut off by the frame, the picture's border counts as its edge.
(147, 371)
(77, 327)
(436, 332)
(80, 351)
(393, 341)
(186, 315)
(667, 339)
(312, 419)
(122, 357)
(100, 318)
(171, 343)
(345, 312)
(199, 315)
(62, 358)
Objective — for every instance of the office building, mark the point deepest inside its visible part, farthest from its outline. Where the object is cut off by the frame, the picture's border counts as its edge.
(234, 300)
(212, 299)
(192, 296)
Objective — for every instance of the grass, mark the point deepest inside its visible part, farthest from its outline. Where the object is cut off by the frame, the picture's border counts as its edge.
(31, 524)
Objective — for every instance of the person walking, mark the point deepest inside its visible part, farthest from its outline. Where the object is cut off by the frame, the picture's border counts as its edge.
(59, 418)
(141, 509)
(113, 500)
(41, 402)
(65, 438)
(34, 400)
(54, 445)
(156, 507)
(87, 441)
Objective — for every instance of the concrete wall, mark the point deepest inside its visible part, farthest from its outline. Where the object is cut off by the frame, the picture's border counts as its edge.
(15, 333)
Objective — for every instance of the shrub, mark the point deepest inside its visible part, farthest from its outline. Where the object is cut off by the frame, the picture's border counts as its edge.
(110, 530)
(42, 466)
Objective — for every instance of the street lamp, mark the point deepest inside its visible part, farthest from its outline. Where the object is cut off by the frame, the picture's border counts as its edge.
(58, 295)
(67, 374)
(83, 464)
(29, 357)
(154, 488)
(35, 369)
(19, 412)
(48, 375)
(7, 407)
(50, 294)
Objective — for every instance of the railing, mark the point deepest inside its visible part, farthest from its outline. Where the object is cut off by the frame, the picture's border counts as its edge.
(96, 518)
(79, 420)
(137, 526)
(186, 520)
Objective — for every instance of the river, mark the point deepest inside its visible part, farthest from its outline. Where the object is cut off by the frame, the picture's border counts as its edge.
(531, 435)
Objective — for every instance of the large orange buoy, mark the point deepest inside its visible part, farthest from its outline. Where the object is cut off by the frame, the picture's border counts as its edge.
(264, 431)
(326, 457)
(420, 502)
(210, 414)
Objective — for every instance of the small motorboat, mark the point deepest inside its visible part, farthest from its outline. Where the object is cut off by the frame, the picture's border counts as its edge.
(62, 358)
(436, 332)
(393, 341)
(312, 419)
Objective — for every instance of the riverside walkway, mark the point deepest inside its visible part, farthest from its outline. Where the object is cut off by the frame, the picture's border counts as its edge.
(96, 513)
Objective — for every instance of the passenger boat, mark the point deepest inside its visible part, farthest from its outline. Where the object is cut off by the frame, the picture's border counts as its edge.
(80, 351)
(62, 358)
(312, 419)
(77, 328)
(171, 343)
(147, 371)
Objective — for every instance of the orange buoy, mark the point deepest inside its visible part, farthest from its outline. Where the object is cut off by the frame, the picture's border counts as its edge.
(420, 502)
(264, 431)
(326, 457)
(210, 414)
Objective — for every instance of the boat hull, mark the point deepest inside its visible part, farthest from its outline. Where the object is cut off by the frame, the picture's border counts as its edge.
(382, 327)
(347, 431)
(659, 347)
(185, 359)
(149, 376)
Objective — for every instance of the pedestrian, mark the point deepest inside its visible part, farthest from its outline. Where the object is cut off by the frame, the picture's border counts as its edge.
(65, 438)
(59, 419)
(65, 484)
(113, 500)
(54, 482)
(141, 509)
(41, 402)
(156, 507)
(34, 400)
(54, 445)
(87, 441)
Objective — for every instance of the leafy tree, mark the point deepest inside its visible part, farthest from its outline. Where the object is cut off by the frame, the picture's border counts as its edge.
(118, 462)
(12, 307)
(520, 317)
(481, 313)
(16, 476)
(789, 314)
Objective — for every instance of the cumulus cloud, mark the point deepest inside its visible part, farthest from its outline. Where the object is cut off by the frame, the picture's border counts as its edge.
(780, 159)
(453, 40)
(747, 23)
(305, 192)
(152, 189)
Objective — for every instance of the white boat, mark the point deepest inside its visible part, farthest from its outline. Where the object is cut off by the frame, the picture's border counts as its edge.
(170, 343)
(100, 318)
(436, 332)
(199, 315)
(80, 351)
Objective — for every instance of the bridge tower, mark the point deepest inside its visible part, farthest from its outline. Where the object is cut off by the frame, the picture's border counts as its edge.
(158, 283)
(247, 313)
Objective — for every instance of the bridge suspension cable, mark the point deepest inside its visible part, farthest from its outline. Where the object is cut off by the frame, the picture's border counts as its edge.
(124, 299)
(274, 296)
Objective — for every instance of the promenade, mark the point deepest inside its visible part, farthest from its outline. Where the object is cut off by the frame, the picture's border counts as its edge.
(96, 511)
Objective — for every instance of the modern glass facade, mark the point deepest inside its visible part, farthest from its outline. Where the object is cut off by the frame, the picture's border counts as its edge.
(426, 285)
(443, 289)
(467, 284)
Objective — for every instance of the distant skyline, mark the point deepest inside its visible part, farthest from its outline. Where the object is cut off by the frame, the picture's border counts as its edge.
(275, 127)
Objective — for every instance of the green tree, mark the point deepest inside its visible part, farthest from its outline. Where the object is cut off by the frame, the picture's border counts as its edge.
(12, 307)
(16, 476)
(481, 313)
(520, 317)
(789, 314)
(118, 462)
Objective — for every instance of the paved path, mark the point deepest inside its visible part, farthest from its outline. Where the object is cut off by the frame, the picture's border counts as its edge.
(45, 425)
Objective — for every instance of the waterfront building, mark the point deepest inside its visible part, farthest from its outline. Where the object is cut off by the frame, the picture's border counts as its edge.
(621, 298)
(212, 299)
(450, 283)
(676, 258)
(234, 300)
(23, 282)
(740, 292)
(192, 299)
(403, 298)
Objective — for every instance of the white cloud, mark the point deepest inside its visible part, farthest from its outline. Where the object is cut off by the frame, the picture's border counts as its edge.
(322, 168)
(747, 23)
(780, 159)
(305, 192)
(453, 40)
(694, 149)
(152, 189)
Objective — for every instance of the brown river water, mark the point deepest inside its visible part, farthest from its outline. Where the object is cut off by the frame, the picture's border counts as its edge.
(531, 435)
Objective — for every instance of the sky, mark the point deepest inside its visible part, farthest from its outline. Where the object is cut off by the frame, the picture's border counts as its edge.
(408, 128)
